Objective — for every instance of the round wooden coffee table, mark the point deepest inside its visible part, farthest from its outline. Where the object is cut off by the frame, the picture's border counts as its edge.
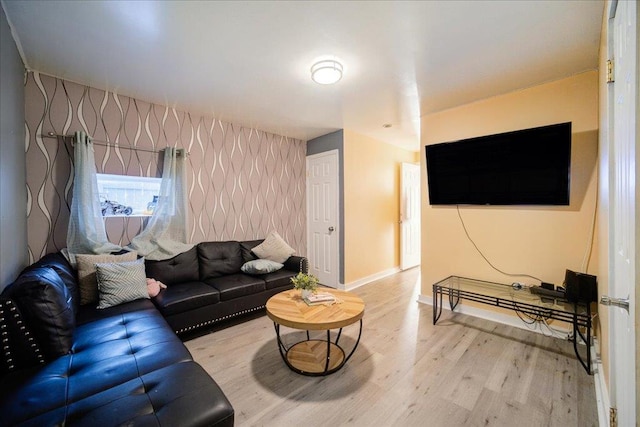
(315, 357)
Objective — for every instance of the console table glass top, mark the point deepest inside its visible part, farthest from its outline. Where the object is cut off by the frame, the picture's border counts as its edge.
(521, 300)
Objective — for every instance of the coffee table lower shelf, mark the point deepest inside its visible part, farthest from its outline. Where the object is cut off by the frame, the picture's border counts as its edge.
(315, 357)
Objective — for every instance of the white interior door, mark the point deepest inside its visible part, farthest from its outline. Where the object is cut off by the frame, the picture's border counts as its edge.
(622, 227)
(322, 210)
(409, 215)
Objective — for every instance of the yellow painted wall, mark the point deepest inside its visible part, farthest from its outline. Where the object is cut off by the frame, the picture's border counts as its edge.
(371, 205)
(541, 241)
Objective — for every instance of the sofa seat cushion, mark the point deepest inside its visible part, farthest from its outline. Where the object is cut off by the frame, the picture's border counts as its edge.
(219, 259)
(89, 313)
(185, 297)
(113, 350)
(181, 394)
(29, 393)
(237, 285)
(105, 353)
(179, 269)
(278, 279)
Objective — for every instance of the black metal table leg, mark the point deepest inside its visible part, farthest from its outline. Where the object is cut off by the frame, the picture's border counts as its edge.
(452, 304)
(326, 364)
(437, 305)
(587, 340)
(281, 347)
(355, 345)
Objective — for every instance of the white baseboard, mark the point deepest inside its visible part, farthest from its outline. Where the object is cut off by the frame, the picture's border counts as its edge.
(369, 279)
(505, 319)
(602, 393)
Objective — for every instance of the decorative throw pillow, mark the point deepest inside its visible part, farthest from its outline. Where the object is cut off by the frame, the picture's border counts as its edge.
(87, 273)
(274, 249)
(154, 287)
(260, 266)
(120, 282)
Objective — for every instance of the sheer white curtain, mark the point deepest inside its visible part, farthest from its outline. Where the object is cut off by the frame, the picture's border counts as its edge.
(165, 234)
(86, 233)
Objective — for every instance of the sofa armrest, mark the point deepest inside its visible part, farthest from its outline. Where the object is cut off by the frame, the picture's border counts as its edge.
(19, 348)
(299, 264)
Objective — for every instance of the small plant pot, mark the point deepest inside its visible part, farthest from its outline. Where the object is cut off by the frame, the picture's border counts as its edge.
(306, 293)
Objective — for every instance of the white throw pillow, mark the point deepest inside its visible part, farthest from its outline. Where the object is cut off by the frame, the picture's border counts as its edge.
(274, 249)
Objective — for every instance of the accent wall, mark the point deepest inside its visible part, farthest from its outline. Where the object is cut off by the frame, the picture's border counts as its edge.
(242, 182)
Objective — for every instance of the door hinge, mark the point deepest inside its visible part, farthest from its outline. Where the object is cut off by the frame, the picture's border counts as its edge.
(610, 77)
(613, 417)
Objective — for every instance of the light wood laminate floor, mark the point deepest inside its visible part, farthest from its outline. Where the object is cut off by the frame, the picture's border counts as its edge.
(464, 371)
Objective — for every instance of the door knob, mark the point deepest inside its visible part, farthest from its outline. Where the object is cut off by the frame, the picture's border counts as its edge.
(618, 302)
(331, 229)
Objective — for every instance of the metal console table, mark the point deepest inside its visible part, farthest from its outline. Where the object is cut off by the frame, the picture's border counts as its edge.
(519, 300)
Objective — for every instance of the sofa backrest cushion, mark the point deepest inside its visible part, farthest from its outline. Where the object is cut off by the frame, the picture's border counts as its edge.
(219, 259)
(179, 269)
(45, 304)
(246, 247)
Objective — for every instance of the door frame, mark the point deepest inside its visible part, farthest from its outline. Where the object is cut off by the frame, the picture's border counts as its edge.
(404, 265)
(608, 223)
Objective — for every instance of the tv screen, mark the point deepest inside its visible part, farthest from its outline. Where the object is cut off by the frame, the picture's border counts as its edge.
(525, 167)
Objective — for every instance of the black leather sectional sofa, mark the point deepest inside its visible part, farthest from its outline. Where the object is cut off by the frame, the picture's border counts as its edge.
(66, 364)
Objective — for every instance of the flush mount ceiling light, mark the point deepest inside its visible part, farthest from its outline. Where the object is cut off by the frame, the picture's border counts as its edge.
(326, 72)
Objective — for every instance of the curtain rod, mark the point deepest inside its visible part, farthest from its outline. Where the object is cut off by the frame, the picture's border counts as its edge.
(108, 144)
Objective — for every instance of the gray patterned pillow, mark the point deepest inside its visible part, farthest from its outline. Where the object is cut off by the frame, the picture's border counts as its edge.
(87, 281)
(261, 266)
(121, 282)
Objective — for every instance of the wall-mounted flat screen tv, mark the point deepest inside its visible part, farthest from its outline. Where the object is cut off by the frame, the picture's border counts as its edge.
(524, 167)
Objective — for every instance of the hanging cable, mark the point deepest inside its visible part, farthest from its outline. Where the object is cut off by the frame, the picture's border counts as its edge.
(592, 231)
(485, 258)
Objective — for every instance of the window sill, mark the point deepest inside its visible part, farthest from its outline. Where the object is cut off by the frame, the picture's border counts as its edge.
(126, 216)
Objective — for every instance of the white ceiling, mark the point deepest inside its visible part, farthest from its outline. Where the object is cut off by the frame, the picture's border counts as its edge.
(248, 62)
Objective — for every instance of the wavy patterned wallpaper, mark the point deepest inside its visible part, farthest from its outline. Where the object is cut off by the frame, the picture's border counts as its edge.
(242, 182)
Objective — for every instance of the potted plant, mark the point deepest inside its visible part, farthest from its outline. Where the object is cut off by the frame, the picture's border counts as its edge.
(307, 283)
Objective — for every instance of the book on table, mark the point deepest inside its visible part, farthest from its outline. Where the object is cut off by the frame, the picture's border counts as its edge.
(319, 298)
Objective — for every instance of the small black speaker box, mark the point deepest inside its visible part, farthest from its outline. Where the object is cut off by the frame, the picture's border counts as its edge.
(580, 287)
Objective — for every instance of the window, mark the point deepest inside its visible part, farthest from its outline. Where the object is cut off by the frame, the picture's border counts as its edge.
(123, 195)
